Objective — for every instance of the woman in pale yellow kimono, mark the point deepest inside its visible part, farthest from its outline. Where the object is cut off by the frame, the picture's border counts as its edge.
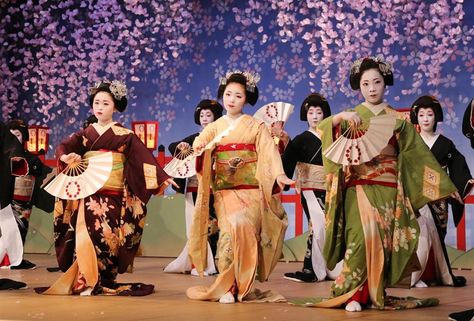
(245, 168)
(370, 220)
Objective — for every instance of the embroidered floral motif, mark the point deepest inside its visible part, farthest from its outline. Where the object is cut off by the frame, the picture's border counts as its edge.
(99, 208)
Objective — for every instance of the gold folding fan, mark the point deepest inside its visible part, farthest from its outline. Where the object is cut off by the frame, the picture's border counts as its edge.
(273, 112)
(359, 144)
(81, 179)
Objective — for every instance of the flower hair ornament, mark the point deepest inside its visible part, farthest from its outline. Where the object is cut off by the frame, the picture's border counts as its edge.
(361, 65)
(117, 88)
(252, 79)
(385, 67)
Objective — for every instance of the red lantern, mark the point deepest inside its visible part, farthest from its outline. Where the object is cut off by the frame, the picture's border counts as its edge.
(147, 131)
(39, 137)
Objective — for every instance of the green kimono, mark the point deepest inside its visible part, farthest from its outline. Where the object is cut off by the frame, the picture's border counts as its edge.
(370, 213)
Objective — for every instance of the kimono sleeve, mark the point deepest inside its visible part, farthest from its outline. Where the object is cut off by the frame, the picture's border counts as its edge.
(143, 174)
(422, 177)
(290, 157)
(207, 135)
(460, 175)
(458, 170)
(269, 165)
(73, 144)
(9, 147)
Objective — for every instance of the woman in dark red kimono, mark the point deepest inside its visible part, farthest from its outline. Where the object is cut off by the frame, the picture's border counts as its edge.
(97, 237)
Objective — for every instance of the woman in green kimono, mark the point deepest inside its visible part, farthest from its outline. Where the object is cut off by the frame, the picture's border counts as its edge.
(370, 220)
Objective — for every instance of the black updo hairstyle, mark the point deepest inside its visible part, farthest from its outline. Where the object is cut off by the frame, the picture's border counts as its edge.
(20, 124)
(314, 100)
(211, 105)
(426, 102)
(248, 80)
(115, 88)
(361, 65)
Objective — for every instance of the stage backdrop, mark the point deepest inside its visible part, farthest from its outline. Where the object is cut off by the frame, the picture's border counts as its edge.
(171, 54)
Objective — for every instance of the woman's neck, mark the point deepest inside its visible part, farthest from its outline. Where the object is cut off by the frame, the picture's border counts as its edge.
(234, 116)
(105, 123)
(427, 134)
(381, 104)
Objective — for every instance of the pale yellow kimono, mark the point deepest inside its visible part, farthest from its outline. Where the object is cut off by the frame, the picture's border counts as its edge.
(252, 223)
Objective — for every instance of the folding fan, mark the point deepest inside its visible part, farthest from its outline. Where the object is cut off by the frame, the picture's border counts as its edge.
(273, 112)
(359, 144)
(81, 179)
(183, 164)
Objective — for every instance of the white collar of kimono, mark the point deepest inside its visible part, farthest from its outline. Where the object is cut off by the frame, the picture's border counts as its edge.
(376, 109)
(315, 133)
(102, 129)
(232, 121)
(429, 140)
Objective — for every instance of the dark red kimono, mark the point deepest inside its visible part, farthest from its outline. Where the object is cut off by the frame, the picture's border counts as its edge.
(114, 216)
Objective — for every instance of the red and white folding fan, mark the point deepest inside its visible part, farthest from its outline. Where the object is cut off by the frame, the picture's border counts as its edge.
(273, 112)
(359, 144)
(81, 179)
(182, 165)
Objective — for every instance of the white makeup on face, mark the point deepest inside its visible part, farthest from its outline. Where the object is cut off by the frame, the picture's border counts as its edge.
(314, 116)
(17, 133)
(103, 107)
(205, 117)
(234, 99)
(426, 119)
(372, 86)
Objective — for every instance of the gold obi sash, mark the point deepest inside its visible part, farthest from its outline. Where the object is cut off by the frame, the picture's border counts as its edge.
(310, 176)
(115, 183)
(23, 189)
(382, 170)
(235, 166)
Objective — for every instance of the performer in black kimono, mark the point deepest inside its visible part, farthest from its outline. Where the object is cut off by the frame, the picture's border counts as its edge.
(205, 113)
(11, 163)
(303, 153)
(433, 219)
(27, 189)
(468, 122)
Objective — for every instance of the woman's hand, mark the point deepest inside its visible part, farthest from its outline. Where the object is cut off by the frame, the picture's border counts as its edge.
(276, 128)
(283, 180)
(350, 116)
(183, 146)
(165, 185)
(70, 158)
(457, 197)
(198, 147)
(169, 182)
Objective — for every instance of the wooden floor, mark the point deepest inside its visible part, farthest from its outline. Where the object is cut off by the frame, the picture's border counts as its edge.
(170, 303)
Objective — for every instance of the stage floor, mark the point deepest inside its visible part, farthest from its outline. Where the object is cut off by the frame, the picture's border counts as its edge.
(170, 303)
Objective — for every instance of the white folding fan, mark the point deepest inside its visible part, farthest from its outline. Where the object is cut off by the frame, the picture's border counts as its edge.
(81, 179)
(273, 112)
(358, 145)
(183, 164)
